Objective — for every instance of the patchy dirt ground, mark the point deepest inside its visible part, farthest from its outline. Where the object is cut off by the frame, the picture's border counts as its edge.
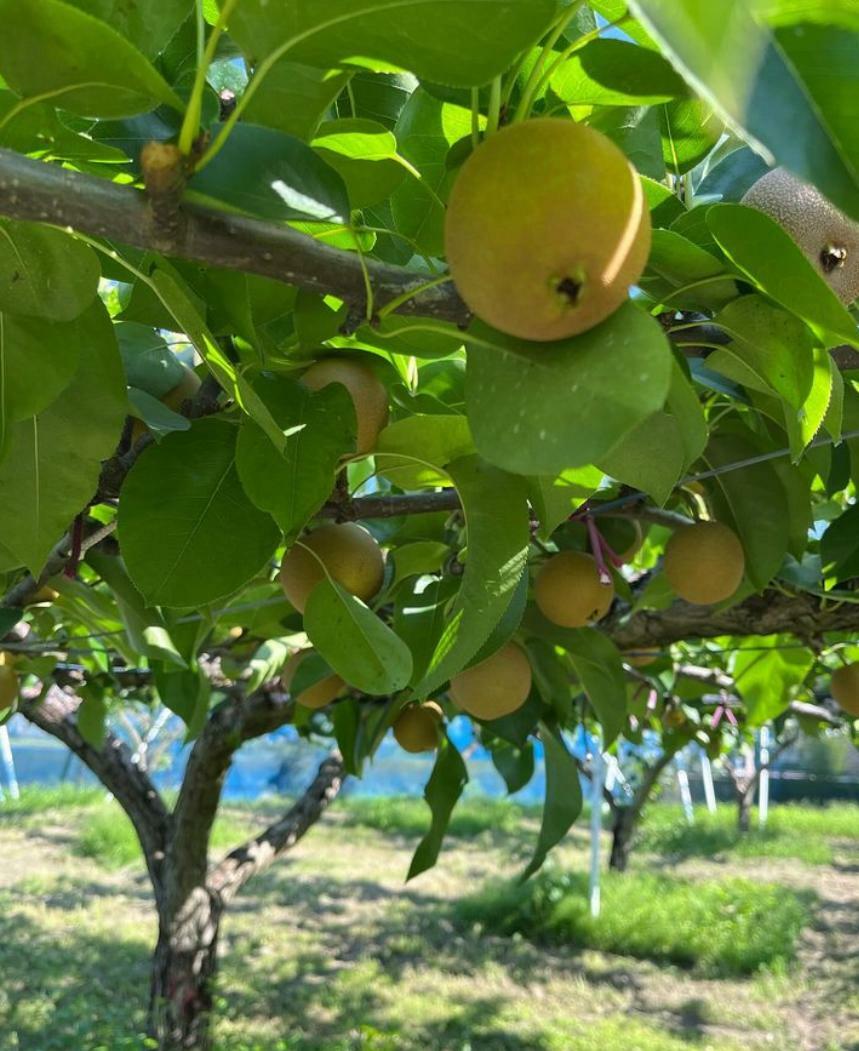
(330, 951)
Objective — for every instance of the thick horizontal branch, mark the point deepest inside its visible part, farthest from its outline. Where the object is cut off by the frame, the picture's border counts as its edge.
(802, 616)
(392, 505)
(46, 193)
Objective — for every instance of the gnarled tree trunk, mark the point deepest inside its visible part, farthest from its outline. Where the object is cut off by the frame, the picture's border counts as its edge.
(623, 826)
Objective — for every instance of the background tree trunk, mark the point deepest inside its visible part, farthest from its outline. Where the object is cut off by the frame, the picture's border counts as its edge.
(622, 831)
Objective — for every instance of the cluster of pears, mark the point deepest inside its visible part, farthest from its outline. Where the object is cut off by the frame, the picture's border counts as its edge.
(704, 563)
(546, 228)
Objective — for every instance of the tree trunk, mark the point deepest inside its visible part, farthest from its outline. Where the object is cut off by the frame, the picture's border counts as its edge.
(744, 809)
(622, 831)
(183, 972)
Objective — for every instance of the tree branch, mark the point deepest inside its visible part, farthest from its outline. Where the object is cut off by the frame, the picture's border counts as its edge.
(45, 193)
(231, 723)
(227, 878)
(801, 615)
(54, 712)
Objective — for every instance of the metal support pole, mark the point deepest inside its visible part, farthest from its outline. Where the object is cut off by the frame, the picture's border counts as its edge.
(764, 781)
(685, 794)
(597, 782)
(8, 761)
(707, 780)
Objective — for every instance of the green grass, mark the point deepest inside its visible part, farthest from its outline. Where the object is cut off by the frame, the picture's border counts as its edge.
(796, 832)
(731, 927)
(407, 816)
(108, 837)
(38, 799)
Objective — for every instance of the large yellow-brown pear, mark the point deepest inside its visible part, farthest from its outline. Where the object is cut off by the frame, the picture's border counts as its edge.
(546, 228)
(496, 687)
(845, 687)
(829, 238)
(349, 553)
(704, 563)
(568, 590)
(367, 391)
(416, 729)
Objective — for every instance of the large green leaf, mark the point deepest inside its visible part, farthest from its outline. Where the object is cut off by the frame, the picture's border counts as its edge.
(52, 462)
(365, 154)
(425, 130)
(294, 98)
(148, 24)
(45, 272)
(563, 802)
(682, 274)
(435, 39)
(690, 129)
(210, 538)
(839, 545)
(770, 258)
(555, 499)
(615, 73)
(50, 49)
(765, 680)
(750, 500)
(320, 429)
(787, 94)
(496, 516)
(447, 780)
(149, 363)
(356, 642)
(272, 175)
(651, 457)
(37, 361)
(541, 408)
(432, 440)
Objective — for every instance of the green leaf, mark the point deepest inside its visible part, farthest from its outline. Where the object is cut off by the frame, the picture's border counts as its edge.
(364, 153)
(496, 516)
(294, 98)
(636, 131)
(447, 780)
(155, 414)
(651, 457)
(149, 362)
(690, 129)
(665, 206)
(52, 460)
(615, 73)
(420, 615)
(320, 429)
(44, 272)
(682, 273)
(425, 130)
(177, 300)
(803, 425)
(432, 38)
(769, 257)
(267, 662)
(211, 538)
(357, 643)
(82, 64)
(563, 802)
(765, 680)
(37, 362)
(185, 692)
(555, 499)
(839, 545)
(418, 559)
(777, 347)
(91, 716)
(434, 440)
(266, 173)
(751, 501)
(148, 24)
(539, 409)
(777, 90)
(516, 765)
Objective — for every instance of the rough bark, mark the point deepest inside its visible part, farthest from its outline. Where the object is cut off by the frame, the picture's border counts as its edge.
(47, 193)
(186, 957)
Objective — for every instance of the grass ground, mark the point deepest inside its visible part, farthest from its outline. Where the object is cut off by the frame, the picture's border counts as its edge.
(330, 951)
